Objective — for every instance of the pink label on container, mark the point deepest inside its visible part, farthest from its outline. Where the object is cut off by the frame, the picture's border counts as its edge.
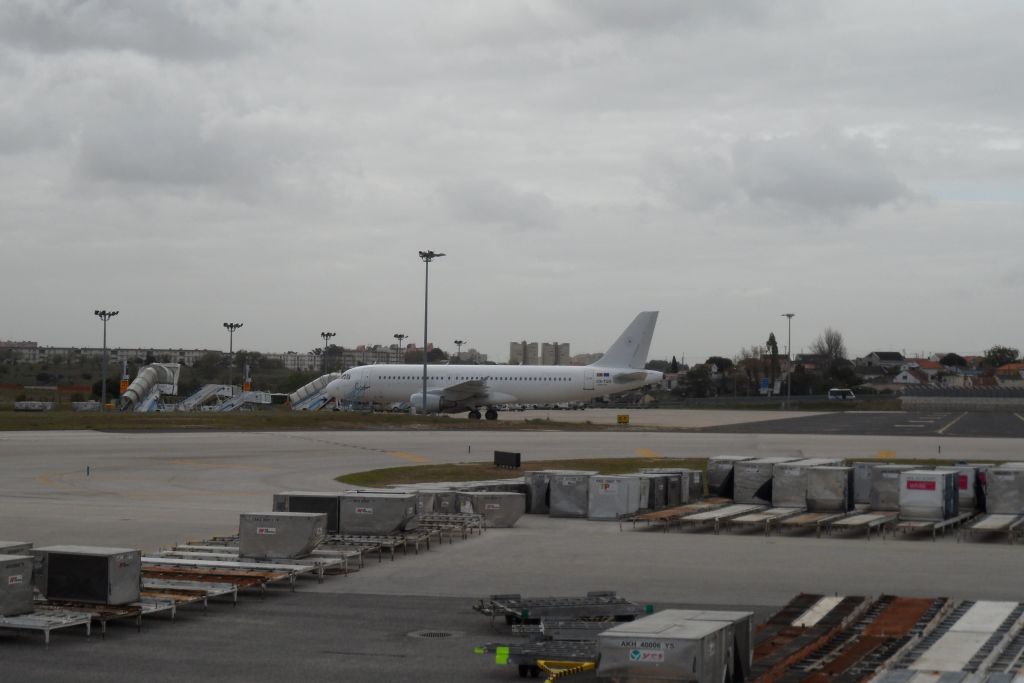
(921, 485)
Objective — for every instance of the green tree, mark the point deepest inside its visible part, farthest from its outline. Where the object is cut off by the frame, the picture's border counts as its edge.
(1001, 355)
(698, 382)
(673, 367)
(952, 360)
(723, 364)
(773, 349)
(657, 365)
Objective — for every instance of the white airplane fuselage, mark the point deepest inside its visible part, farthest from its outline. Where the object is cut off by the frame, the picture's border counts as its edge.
(505, 383)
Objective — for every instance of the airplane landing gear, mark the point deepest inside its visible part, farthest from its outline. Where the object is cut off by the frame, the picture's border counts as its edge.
(475, 415)
(491, 414)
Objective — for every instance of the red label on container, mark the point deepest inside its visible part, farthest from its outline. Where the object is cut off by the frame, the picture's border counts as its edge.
(921, 485)
(963, 482)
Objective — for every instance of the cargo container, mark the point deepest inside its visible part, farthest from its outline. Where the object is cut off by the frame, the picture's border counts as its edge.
(1005, 490)
(537, 484)
(928, 495)
(885, 486)
(569, 493)
(971, 485)
(830, 489)
(80, 573)
(753, 479)
(789, 481)
(324, 502)
(15, 585)
(280, 535)
(657, 491)
(377, 513)
(614, 497)
(15, 548)
(676, 645)
(721, 474)
(499, 508)
(862, 481)
(681, 484)
(695, 484)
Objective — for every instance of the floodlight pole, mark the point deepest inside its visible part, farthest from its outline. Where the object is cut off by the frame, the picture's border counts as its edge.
(427, 257)
(104, 316)
(327, 336)
(400, 337)
(231, 327)
(458, 354)
(789, 361)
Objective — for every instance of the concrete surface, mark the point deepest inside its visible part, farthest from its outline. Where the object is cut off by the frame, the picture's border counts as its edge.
(654, 417)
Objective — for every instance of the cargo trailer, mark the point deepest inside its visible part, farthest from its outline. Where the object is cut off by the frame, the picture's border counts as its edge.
(1005, 490)
(721, 474)
(614, 497)
(280, 535)
(499, 508)
(569, 493)
(80, 573)
(753, 479)
(378, 514)
(15, 585)
(928, 495)
(324, 502)
(830, 489)
(673, 645)
(885, 486)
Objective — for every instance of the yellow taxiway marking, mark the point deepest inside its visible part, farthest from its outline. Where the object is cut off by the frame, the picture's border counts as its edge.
(887, 454)
(952, 422)
(647, 453)
(1019, 417)
(410, 457)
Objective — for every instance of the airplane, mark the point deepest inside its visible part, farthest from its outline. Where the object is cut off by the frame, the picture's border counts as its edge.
(458, 388)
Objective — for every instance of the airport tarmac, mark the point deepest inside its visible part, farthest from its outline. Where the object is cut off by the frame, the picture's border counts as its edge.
(655, 417)
(146, 490)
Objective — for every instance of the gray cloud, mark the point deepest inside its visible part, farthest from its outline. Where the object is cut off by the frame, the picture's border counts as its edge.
(173, 30)
(490, 202)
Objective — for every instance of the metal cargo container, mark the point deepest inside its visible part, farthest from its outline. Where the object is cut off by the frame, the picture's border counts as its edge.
(694, 483)
(971, 484)
(499, 508)
(377, 513)
(81, 573)
(612, 497)
(885, 486)
(753, 480)
(15, 585)
(862, 481)
(15, 548)
(569, 493)
(928, 495)
(789, 481)
(679, 484)
(1005, 490)
(537, 484)
(676, 645)
(280, 535)
(721, 474)
(830, 489)
(657, 490)
(327, 503)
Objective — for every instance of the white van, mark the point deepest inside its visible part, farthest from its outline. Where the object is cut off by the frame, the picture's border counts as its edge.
(840, 395)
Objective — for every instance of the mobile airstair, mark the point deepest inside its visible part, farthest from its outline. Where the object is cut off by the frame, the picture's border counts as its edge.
(312, 396)
(145, 393)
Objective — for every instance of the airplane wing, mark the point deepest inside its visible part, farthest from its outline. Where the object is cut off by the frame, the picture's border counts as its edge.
(464, 391)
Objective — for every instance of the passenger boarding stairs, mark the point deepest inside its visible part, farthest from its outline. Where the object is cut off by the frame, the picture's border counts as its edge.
(152, 383)
(202, 396)
(312, 396)
(244, 398)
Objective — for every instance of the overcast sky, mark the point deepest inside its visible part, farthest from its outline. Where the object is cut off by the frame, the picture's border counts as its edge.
(860, 164)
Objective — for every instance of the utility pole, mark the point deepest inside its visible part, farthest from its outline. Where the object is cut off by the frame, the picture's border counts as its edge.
(104, 316)
(327, 337)
(789, 360)
(427, 257)
(231, 327)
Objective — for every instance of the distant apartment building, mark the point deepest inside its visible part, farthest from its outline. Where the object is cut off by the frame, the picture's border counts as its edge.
(532, 353)
(522, 353)
(554, 353)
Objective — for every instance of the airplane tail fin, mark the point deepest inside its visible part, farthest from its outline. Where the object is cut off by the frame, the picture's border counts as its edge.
(630, 349)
